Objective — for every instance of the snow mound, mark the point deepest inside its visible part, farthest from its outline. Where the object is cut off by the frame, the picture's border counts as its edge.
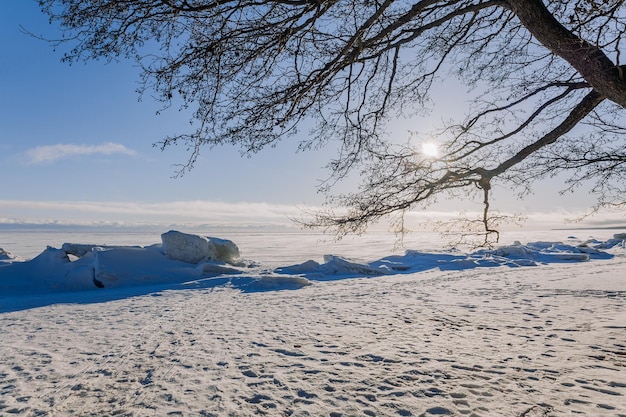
(51, 270)
(119, 266)
(180, 258)
(338, 265)
(332, 266)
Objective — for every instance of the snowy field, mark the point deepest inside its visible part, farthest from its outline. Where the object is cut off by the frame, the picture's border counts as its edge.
(274, 328)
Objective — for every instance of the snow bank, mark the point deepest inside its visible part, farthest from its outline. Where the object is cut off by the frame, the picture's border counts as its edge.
(209, 261)
(179, 258)
(515, 255)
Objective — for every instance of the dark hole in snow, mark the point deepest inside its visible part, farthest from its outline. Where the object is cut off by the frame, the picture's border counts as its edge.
(97, 283)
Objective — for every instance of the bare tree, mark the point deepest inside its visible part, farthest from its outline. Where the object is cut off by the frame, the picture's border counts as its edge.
(549, 88)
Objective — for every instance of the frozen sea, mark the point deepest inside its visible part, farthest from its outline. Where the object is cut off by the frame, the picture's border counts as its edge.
(262, 245)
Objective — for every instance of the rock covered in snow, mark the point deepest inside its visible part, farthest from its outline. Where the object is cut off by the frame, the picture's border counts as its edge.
(195, 249)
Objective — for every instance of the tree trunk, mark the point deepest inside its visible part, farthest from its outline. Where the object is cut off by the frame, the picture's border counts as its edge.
(589, 60)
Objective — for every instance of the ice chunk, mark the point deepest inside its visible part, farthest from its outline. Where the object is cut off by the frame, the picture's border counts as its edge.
(8, 256)
(333, 265)
(81, 249)
(223, 250)
(195, 249)
(569, 256)
(77, 249)
(514, 251)
(185, 247)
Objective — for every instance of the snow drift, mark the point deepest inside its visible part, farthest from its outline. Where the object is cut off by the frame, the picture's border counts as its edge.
(178, 258)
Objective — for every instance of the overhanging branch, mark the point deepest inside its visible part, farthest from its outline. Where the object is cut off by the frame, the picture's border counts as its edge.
(586, 106)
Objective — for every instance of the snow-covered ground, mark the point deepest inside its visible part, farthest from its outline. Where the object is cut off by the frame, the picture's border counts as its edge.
(526, 330)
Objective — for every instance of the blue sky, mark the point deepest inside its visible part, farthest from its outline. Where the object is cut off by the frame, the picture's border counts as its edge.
(76, 145)
(80, 134)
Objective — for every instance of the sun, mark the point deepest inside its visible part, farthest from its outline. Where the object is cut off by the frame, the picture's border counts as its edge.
(430, 149)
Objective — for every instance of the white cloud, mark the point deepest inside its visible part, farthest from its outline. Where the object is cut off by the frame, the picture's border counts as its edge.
(52, 153)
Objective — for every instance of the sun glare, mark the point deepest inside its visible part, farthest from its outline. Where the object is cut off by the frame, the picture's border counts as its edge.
(430, 149)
